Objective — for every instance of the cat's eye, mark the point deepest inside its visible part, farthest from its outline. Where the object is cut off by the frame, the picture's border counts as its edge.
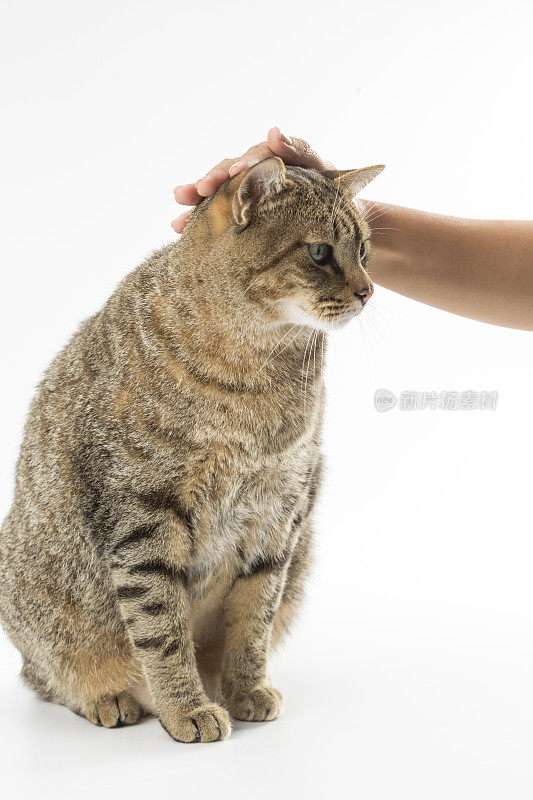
(320, 253)
(362, 251)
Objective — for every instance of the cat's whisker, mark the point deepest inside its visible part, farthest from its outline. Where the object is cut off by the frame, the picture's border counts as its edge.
(367, 207)
(303, 365)
(251, 284)
(388, 309)
(313, 342)
(313, 348)
(268, 358)
(335, 207)
(375, 217)
(298, 332)
(376, 311)
(365, 345)
(386, 228)
(367, 210)
(379, 338)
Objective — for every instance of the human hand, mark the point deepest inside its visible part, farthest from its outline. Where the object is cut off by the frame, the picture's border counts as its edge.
(293, 151)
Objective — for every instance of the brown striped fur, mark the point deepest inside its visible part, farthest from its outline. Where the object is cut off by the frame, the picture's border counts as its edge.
(161, 526)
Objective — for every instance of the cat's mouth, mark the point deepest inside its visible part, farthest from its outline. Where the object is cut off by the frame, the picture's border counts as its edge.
(335, 323)
(322, 317)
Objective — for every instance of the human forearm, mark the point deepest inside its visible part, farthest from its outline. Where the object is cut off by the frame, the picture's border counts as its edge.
(482, 269)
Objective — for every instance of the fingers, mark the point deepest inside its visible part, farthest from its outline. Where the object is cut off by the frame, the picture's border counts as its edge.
(229, 167)
(190, 194)
(295, 151)
(208, 185)
(252, 157)
(180, 222)
(187, 195)
(291, 149)
(193, 193)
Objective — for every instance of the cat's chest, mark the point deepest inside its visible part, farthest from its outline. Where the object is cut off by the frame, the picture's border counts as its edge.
(243, 506)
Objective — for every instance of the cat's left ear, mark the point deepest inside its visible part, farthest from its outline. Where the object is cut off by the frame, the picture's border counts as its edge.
(354, 180)
(264, 180)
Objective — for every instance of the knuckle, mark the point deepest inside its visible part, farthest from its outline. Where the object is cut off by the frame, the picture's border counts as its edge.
(258, 147)
(304, 147)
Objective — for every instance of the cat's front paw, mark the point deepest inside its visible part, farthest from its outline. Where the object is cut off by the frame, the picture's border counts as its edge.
(206, 723)
(256, 705)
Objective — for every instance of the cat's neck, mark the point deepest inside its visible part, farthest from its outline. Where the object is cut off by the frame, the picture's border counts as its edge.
(220, 342)
(199, 317)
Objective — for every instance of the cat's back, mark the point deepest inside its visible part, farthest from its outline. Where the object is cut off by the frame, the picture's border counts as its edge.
(66, 400)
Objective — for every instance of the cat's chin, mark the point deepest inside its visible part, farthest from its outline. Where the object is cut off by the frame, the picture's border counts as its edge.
(293, 312)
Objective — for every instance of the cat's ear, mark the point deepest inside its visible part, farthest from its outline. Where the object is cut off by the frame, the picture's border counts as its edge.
(264, 180)
(354, 180)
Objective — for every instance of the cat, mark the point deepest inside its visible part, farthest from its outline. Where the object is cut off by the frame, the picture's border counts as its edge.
(161, 529)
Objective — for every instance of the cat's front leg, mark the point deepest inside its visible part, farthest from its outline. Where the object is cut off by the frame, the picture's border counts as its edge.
(148, 563)
(250, 610)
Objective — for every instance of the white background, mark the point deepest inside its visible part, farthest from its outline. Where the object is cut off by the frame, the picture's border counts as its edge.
(410, 674)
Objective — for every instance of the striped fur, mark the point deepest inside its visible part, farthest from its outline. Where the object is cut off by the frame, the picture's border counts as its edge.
(161, 530)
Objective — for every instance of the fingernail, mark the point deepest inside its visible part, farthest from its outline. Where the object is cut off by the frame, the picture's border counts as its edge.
(235, 168)
(200, 180)
(286, 139)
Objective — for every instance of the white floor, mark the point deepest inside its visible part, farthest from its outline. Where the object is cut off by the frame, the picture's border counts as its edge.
(429, 707)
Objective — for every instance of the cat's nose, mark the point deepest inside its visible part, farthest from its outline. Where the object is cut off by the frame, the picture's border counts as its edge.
(365, 294)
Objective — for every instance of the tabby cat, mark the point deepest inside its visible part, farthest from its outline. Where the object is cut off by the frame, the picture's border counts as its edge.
(160, 533)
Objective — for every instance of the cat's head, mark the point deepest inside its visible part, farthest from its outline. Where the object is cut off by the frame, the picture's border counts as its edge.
(297, 247)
